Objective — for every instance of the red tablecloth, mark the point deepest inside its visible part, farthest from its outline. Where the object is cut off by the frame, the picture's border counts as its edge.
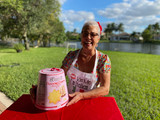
(102, 108)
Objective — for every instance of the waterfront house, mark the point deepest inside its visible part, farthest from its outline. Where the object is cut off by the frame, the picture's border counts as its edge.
(121, 36)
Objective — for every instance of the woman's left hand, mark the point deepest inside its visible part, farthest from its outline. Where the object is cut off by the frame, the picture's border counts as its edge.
(75, 97)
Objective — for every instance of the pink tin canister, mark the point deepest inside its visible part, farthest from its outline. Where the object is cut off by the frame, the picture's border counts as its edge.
(52, 92)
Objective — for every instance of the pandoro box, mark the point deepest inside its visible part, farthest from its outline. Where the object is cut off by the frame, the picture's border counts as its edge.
(52, 92)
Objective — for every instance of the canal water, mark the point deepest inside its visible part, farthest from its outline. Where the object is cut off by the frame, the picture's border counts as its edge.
(127, 47)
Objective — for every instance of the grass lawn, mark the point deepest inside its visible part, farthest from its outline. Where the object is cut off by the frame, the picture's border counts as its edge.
(135, 78)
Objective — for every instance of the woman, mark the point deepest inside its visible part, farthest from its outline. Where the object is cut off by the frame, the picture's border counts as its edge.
(88, 70)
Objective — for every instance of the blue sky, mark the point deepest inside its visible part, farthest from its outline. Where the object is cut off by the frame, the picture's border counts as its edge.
(136, 15)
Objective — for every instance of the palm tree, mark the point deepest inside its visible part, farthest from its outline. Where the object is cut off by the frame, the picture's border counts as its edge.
(150, 28)
(133, 36)
(156, 28)
(120, 27)
(113, 26)
(108, 30)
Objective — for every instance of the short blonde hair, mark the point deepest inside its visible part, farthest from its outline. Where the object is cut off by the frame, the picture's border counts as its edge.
(91, 23)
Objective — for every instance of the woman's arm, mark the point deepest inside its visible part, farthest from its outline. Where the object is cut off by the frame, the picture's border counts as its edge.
(100, 91)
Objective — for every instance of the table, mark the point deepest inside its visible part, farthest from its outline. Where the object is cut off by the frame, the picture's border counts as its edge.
(101, 108)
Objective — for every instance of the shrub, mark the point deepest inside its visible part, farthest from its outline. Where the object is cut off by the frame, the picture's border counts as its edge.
(18, 47)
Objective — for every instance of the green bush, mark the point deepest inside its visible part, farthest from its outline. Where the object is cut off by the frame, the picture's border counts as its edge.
(19, 47)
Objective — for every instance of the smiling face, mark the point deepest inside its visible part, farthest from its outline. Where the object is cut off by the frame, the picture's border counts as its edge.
(90, 37)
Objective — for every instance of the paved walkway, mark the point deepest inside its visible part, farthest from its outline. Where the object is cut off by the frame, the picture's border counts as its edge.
(2, 107)
(5, 102)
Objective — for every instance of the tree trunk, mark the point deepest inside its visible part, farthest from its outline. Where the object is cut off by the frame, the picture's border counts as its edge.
(39, 40)
(26, 43)
(44, 43)
(49, 43)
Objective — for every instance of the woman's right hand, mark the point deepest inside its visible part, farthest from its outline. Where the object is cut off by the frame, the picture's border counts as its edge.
(33, 92)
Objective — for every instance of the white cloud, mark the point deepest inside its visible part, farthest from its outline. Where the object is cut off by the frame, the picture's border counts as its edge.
(144, 8)
(115, 10)
(62, 1)
(74, 16)
(135, 14)
(125, 0)
(69, 17)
